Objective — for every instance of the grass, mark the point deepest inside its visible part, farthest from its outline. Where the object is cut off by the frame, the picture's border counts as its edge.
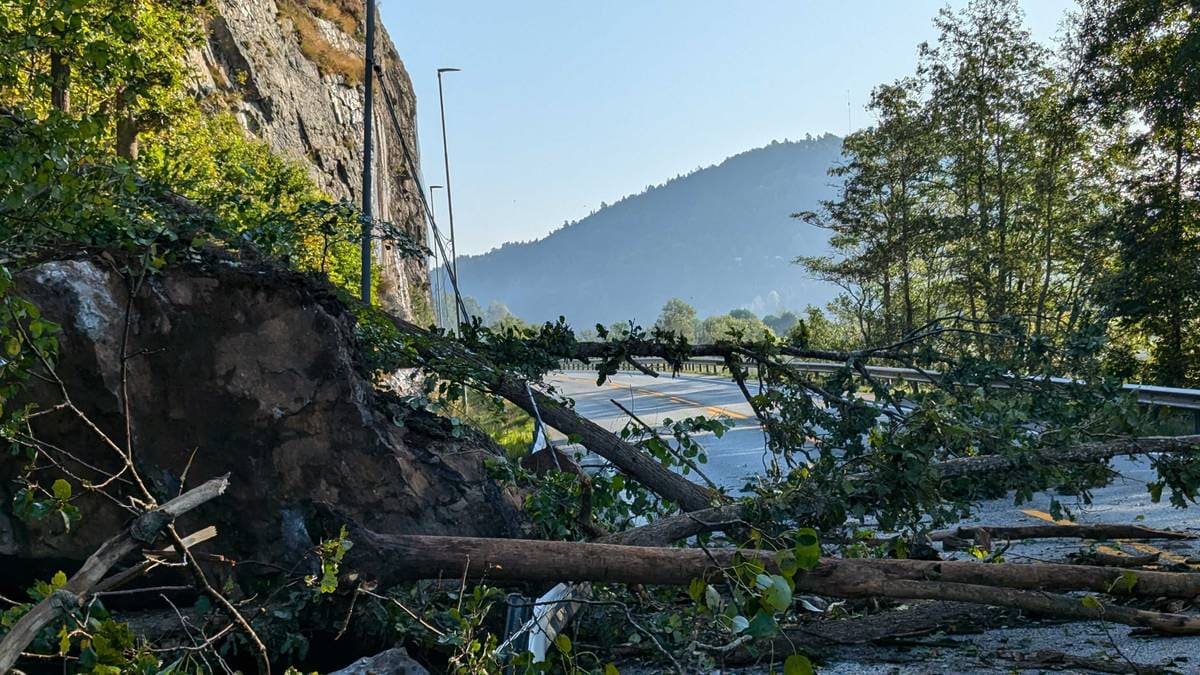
(345, 14)
(328, 59)
(509, 426)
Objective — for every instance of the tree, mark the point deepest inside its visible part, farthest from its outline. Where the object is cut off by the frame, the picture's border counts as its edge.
(782, 324)
(117, 65)
(679, 318)
(1146, 81)
(727, 327)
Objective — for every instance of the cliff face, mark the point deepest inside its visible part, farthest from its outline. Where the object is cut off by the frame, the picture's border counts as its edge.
(291, 71)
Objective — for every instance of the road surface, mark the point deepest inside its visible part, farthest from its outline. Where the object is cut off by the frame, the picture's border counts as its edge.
(739, 455)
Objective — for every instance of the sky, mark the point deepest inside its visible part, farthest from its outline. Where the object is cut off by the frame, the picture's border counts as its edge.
(564, 104)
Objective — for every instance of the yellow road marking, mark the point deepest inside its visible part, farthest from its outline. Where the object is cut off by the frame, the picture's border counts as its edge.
(712, 410)
(1137, 545)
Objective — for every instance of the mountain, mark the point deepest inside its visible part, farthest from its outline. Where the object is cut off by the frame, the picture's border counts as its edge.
(291, 72)
(719, 238)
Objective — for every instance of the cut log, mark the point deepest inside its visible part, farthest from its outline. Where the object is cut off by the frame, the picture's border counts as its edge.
(141, 531)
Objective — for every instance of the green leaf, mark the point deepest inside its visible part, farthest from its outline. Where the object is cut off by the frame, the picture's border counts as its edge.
(12, 347)
(1091, 602)
(696, 589)
(797, 664)
(611, 669)
(61, 490)
(563, 643)
(808, 548)
(1129, 578)
(762, 625)
(58, 580)
(787, 563)
(739, 623)
(712, 598)
(779, 595)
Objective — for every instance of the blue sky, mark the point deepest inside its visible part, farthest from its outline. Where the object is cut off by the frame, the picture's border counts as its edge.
(564, 104)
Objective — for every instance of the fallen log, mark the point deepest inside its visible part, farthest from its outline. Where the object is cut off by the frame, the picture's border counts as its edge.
(528, 560)
(665, 531)
(1084, 452)
(681, 526)
(828, 635)
(628, 459)
(1056, 660)
(1021, 586)
(143, 530)
(1071, 531)
(1104, 559)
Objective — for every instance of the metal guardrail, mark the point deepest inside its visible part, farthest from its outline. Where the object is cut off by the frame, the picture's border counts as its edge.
(1147, 394)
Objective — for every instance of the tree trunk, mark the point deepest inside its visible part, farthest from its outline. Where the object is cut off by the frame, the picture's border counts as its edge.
(630, 460)
(395, 558)
(60, 82)
(127, 138)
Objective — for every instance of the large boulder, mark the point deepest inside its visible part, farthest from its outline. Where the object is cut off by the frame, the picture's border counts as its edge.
(248, 371)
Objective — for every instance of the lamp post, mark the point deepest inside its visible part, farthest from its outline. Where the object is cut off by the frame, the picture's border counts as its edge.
(368, 115)
(449, 200)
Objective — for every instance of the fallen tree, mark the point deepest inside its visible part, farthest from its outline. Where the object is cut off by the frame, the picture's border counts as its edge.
(436, 350)
(1005, 585)
(517, 560)
(681, 526)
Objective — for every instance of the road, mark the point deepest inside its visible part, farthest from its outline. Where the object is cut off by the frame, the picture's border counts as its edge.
(738, 456)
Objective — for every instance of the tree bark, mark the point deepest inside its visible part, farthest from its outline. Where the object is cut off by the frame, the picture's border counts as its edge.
(60, 82)
(127, 138)
(395, 558)
(1072, 531)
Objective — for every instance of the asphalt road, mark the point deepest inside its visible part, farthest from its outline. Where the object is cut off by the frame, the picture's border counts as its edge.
(739, 455)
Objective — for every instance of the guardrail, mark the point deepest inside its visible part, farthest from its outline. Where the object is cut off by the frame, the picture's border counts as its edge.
(1147, 394)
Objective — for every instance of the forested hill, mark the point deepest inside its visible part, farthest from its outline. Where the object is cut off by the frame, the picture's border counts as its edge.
(720, 238)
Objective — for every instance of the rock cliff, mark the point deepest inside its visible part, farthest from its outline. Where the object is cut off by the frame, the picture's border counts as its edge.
(291, 72)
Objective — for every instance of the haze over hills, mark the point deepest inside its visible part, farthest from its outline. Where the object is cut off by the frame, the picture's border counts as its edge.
(720, 238)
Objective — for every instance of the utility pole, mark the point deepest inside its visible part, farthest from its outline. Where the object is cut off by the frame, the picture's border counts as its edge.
(368, 117)
(459, 318)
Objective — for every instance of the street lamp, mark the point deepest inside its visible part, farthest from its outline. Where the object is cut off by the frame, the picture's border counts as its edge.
(449, 200)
